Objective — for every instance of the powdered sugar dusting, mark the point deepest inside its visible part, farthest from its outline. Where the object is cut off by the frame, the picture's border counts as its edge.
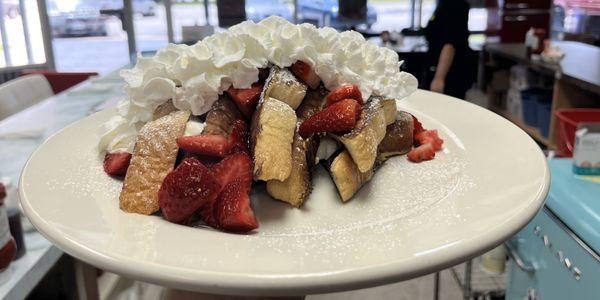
(390, 230)
(398, 191)
(396, 200)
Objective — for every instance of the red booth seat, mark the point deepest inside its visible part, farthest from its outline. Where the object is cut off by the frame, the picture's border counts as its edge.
(60, 81)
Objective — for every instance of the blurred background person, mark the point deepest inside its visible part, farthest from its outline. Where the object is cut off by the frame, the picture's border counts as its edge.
(450, 61)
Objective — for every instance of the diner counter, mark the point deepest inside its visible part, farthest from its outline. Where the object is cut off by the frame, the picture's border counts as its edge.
(405, 45)
(418, 44)
(574, 199)
(579, 67)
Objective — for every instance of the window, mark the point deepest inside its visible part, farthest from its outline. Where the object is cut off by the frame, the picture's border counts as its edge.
(395, 15)
(21, 36)
(427, 9)
(478, 19)
(189, 16)
(576, 17)
(391, 15)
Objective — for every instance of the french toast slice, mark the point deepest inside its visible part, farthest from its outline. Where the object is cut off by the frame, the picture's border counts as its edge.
(389, 110)
(348, 179)
(344, 171)
(362, 141)
(296, 188)
(271, 137)
(219, 119)
(163, 110)
(284, 86)
(398, 138)
(153, 158)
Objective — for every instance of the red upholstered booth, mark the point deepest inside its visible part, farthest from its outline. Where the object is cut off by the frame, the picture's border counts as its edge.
(60, 81)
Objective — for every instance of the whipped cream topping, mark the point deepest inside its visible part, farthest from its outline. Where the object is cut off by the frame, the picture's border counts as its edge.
(194, 76)
(117, 135)
(327, 147)
(193, 128)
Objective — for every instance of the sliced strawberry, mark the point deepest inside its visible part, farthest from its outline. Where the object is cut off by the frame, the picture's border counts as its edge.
(421, 153)
(214, 145)
(429, 137)
(116, 164)
(187, 188)
(427, 142)
(235, 166)
(207, 214)
(239, 137)
(344, 91)
(338, 117)
(207, 161)
(303, 71)
(246, 99)
(233, 211)
(418, 127)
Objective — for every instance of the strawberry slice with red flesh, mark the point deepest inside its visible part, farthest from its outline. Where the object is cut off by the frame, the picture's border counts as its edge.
(186, 189)
(304, 71)
(239, 137)
(345, 91)
(213, 145)
(427, 142)
(232, 209)
(207, 214)
(246, 99)
(429, 137)
(216, 145)
(418, 127)
(116, 164)
(421, 153)
(338, 117)
(237, 166)
(207, 161)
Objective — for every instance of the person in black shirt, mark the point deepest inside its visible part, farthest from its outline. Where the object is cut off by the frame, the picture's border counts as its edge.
(450, 68)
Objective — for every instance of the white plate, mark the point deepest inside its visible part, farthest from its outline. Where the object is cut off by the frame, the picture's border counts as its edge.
(411, 219)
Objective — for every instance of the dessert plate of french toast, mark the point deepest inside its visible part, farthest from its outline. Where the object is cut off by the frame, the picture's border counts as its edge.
(281, 159)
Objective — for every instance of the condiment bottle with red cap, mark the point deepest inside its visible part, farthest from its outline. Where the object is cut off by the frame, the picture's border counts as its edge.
(8, 247)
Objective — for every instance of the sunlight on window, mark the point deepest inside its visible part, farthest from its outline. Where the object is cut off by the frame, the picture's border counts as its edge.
(23, 43)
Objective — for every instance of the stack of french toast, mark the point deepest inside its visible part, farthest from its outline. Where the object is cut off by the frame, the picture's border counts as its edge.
(270, 132)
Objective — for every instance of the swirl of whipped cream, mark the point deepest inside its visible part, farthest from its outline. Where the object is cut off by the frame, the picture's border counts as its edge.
(194, 76)
(117, 135)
